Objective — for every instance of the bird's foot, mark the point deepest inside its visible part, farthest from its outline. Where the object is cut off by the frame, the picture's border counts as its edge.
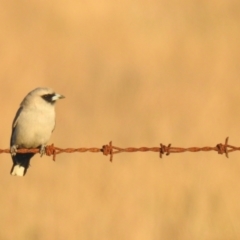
(42, 150)
(13, 150)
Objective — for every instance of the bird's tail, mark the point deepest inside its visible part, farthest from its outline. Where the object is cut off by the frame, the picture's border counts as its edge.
(21, 164)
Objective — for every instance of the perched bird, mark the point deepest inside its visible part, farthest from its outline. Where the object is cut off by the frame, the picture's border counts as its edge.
(32, 126)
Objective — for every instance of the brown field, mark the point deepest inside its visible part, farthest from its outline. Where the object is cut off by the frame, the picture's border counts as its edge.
(139, 73)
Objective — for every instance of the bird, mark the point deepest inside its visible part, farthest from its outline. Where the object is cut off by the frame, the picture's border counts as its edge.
(32, 127)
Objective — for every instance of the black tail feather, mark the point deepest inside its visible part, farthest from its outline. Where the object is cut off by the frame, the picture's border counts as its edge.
(21, 160)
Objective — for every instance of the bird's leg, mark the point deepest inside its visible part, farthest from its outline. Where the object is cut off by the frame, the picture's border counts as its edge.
(13, 150)
(42, 150)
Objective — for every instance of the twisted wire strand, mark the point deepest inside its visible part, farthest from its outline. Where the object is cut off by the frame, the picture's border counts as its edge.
(110, 150)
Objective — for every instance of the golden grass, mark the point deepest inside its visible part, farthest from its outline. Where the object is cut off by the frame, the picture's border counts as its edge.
(138, 73)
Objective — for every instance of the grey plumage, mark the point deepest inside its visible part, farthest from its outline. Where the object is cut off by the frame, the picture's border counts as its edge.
(32, 126)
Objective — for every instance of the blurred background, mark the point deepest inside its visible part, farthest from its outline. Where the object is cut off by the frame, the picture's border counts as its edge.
(139, 73)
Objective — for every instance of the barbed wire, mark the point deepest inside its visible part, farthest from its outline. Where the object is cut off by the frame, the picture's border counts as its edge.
(109, 149)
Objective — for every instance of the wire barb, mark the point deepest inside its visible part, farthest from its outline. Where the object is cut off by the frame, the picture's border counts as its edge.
(50, 150)
(164, 149)
(223, 148)
(109, 149)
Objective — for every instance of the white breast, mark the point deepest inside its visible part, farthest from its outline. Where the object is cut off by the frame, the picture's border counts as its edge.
(34, 127)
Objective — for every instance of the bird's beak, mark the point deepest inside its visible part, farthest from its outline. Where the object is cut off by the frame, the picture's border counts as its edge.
(57, 96)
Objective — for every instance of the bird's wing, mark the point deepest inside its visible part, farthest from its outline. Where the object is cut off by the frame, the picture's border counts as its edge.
(16, 117)
(15, 120)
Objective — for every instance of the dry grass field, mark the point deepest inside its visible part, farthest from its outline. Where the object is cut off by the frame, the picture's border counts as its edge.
(139, 73)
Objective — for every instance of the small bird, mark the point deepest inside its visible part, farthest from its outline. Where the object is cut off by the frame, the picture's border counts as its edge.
(32, 126)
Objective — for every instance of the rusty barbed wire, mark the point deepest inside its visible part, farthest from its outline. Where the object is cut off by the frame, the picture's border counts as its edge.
(109, 149)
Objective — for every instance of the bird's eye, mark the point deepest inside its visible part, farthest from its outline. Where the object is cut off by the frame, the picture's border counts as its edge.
(48, 97)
